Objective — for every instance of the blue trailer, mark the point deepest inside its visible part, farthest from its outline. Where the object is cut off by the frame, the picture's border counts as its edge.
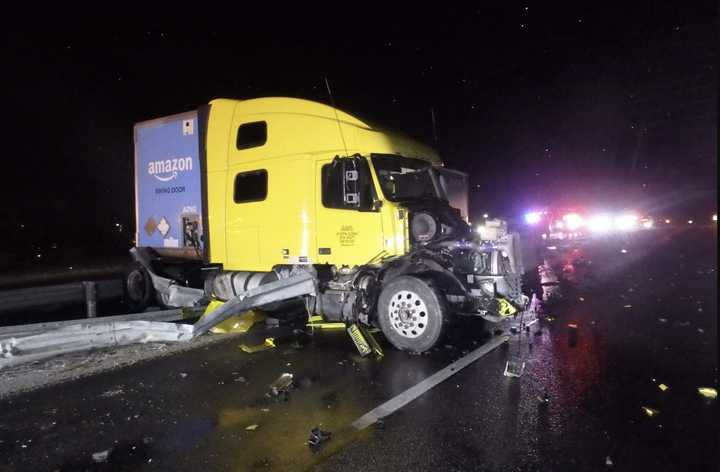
(169, 197)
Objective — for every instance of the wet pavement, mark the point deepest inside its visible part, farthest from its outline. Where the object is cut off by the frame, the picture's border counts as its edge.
(643, 317)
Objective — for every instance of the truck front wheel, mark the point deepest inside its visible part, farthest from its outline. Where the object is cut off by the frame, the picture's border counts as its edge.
(411, 314)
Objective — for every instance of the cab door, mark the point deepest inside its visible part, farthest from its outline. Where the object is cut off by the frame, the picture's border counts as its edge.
(349, 223)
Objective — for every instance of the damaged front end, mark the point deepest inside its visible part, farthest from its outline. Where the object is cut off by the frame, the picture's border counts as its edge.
(480, 272)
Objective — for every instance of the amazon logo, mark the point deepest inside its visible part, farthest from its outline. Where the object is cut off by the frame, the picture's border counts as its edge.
(169, 169)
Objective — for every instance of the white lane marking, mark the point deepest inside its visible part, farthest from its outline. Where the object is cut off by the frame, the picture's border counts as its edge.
(416, 390)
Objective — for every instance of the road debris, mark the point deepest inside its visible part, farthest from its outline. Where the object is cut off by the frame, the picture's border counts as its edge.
(112, 393)
(101, 456)
(609, 461)
(252, 427)
(708, 392)
(663, 387)
(514, 368)
(269, 343)
(282, 384)
(317, 438)
(272, 322)
(650, 411)
(662, 320)
(240, 323)
(316, 322)
(183, 375)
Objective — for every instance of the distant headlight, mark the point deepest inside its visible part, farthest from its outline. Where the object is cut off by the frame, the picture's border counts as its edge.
(627, 222)
(600, 224)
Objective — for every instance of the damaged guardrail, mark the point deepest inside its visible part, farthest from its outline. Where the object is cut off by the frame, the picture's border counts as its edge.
(82, 336)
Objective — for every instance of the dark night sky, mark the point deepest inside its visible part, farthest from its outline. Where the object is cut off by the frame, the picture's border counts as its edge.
(540, 104)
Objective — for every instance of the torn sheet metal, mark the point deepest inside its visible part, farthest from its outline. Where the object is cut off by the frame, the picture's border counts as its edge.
(170, 292)
(84, 336)
(235, 324)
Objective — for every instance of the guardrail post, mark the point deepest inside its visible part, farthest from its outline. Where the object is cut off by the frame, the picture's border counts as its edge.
(91, 298)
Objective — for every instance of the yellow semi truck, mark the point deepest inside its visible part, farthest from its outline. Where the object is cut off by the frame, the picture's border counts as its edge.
(240, 193)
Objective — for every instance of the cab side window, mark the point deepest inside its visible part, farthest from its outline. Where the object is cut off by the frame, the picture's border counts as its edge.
(251, 135)
(337, 192)
(251, 186)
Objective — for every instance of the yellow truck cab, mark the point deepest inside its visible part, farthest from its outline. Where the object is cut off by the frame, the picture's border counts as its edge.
(239, 193)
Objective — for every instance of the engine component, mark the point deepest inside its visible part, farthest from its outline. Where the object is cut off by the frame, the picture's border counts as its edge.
(423, 227)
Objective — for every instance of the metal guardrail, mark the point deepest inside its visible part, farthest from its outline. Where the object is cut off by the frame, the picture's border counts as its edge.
(176, 314)
(89, 292)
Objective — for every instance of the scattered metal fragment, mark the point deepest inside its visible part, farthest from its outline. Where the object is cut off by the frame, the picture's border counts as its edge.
(269, 343)
(252, 427)
(514, 368)
(708, 392)
(101, 456)
(650, 411)
(317, 438)
(281, 384)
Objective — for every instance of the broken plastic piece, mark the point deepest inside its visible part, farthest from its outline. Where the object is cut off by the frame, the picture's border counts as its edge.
(361, 343)
(663, 387)
(317, 438)
(281, 384)
(708, 392)
(514, 368)
(608, 461)
(269, 343)
(572, 325)
(650, 411)
(317, 321)
(235, 324)
(252, 427)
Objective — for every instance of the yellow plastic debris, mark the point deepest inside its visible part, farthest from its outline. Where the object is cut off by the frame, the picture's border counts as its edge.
(252, 427)
(650, 411)
(505, 308)
(269, 343)
(663, 387)
(235, 324)
(316, 321)
(708, 392)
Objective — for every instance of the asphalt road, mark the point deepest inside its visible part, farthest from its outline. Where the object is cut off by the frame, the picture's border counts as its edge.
(646, 316)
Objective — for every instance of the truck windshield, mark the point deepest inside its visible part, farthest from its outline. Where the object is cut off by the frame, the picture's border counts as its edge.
(403, 178)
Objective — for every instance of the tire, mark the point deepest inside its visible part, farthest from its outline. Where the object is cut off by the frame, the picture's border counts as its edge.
(138, 288)
(418, 323)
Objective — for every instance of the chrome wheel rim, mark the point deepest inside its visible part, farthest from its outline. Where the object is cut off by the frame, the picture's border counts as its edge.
(408, 314)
